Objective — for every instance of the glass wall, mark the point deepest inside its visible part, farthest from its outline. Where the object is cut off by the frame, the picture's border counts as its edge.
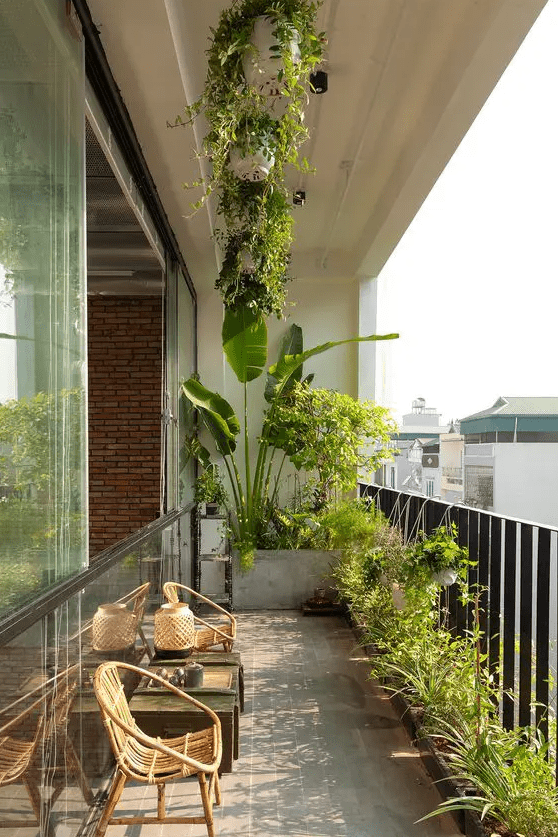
(57, 760)
(42, 325)
(186, 367)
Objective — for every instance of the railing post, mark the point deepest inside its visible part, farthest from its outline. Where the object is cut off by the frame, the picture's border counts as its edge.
(485, 521)
(508, 669)
(543, 630)
(525, 624)
(473, 574)
(495, 602)
(463, 539)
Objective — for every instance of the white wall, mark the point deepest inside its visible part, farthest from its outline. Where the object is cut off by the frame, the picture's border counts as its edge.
(525, 481)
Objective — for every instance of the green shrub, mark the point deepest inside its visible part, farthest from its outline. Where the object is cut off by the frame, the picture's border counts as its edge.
(515, 782)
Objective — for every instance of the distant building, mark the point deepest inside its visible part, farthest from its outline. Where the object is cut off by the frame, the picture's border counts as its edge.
(416, 466)
(451, 464)
(511, 458)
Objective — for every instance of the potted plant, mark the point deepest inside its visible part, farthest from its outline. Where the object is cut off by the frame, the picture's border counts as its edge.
(273, 50)
(252, 155)
(253, 488)
(438, 558)
(209, 491)
(256, 247)
(259, 47)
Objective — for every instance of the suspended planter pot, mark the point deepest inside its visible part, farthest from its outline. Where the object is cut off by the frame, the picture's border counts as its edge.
(263, 64)
(259, 60)
(253, 165)
(445, 577)
(247, 263)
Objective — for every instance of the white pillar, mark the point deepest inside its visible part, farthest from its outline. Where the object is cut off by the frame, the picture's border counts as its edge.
(367, 324)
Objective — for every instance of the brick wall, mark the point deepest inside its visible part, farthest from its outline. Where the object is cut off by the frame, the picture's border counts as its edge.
(125, 372)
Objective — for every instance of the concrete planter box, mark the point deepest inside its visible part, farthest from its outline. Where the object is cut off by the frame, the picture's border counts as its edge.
(281, 579)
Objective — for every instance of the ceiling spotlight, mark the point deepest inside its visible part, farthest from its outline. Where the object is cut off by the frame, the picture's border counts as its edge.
(318, 81)
(299, 198)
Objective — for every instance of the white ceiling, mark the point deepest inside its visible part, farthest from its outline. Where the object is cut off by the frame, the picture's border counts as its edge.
(406, 80)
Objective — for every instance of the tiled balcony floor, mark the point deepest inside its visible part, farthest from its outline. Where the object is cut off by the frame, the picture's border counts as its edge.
(321, 752)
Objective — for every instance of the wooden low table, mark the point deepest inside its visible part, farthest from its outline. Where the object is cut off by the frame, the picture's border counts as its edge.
(207, 658)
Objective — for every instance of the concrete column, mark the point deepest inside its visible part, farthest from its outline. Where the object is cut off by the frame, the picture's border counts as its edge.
(367, 324)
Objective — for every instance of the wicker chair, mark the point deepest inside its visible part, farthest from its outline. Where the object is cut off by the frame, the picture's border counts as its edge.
(40, 727)
(156, 761)
(139, 599)
(209, 635)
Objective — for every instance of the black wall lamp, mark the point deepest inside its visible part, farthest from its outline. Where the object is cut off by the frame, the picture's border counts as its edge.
(318, 81)
(299, 197)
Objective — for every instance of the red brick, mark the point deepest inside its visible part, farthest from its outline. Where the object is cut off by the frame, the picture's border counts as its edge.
(125, 371)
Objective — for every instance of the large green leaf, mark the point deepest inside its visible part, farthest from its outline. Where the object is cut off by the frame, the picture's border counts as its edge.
(284, 368)
(245, 343)
(217, 414)
(292, 344)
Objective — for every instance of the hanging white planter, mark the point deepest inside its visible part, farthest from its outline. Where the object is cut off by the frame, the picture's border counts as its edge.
(247, 263)
(262, 61)
(251, 165)
(445, 577)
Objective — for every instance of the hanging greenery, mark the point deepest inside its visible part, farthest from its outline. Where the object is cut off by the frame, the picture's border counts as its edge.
(253, 101)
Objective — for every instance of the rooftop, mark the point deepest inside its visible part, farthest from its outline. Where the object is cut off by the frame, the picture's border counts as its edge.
(519, 406)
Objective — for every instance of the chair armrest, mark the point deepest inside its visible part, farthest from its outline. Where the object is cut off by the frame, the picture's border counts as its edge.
(45, 694)
(202, 598)
(13, 723)
(157, 744)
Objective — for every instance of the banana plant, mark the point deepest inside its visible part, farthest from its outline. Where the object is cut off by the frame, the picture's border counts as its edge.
(244, 337)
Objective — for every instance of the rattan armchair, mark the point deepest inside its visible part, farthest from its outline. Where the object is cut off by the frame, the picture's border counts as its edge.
(37, 726)
(139, 599)
(207, 636)
(156, 761)
(18, 749)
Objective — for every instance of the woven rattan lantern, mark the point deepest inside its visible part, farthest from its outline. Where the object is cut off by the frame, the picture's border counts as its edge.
(174, 630)
(114, 628)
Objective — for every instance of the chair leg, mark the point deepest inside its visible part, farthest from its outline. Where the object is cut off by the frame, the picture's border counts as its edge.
(207, 804)
(42, 811)
(76, 768)
(115, 793)
(145, 643)
(32, 785)
(215, 788)
(161, 801)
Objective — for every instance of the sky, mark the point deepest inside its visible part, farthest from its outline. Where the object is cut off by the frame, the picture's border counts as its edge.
(472, 285)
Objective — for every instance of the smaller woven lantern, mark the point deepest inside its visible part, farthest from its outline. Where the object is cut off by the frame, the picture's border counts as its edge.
(174, 630)
(114, 628)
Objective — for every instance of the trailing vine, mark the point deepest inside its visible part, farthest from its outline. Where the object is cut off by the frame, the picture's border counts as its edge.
(256, 232)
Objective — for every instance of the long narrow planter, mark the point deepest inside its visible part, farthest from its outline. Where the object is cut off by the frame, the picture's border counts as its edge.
(468, 822)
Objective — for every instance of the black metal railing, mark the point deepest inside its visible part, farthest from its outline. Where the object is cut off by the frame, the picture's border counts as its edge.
(517, 576)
